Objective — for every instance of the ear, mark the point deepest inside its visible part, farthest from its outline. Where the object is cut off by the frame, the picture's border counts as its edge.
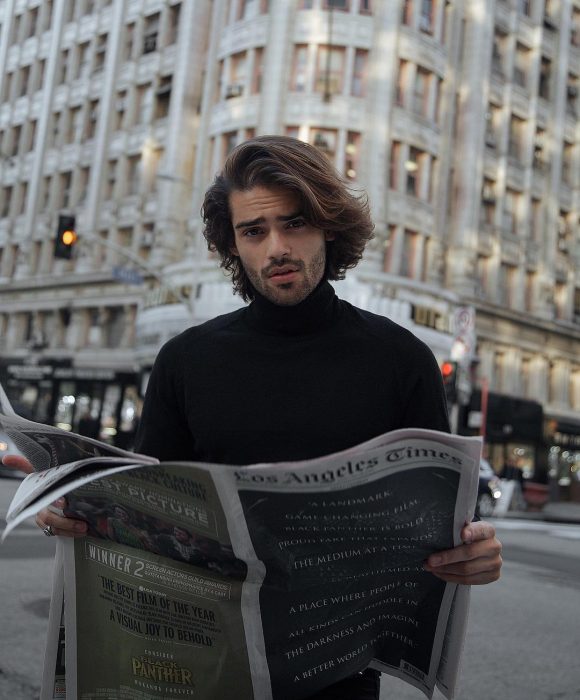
(329, 236)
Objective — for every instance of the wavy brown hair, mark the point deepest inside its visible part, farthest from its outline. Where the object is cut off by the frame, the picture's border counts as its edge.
(326, 201)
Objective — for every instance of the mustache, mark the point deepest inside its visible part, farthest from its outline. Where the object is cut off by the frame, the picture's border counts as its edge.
(276, 264)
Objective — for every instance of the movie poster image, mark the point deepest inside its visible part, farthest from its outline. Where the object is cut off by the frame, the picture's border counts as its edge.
(155, 628)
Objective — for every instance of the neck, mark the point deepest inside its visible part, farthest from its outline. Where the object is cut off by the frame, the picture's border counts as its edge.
(316, 311)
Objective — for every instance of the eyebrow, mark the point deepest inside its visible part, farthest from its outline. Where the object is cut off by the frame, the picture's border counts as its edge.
(261, 219)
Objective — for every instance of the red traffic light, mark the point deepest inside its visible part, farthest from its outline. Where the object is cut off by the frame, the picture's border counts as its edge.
(448, 369)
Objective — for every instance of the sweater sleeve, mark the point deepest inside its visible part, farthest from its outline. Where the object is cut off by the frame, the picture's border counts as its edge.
(163, 429)
(426, 404)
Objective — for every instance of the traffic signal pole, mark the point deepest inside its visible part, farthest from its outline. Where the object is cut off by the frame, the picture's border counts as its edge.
(134, 258)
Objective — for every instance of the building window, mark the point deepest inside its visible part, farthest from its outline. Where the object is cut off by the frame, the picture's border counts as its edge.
(22, 195)
(144, 103)
(359, 74)
(258, 72)
(394, 165)
(525, 7)
(92, 118)
(229, 142)
(24, 78)
(237, 82)
(365, 7)
(402, 82)
(575, 32)
(572, 95)
(151, 33)
(325, 141)
(568, 163)
(388, 247)
(577, 307)
(110, 180)
(6, 201)
(83, 66)
(488, 202)
(511, 211)
(352, 154)
(172, 31)
(560, 299)
(299, 69)
(65, 181)
(329, 70)
(342, 5)
(129, 41)
(516, 137)
(498, 53)
(505, 284)
(61, 76)
(521, 66)
(100, 53)
(163, 97)
(545, 78)
(421, 91)
(412, 166)
(426, 17)
(407, 13)
(537, 213)
(120, 109)
(75, 125)
(408, 254)
(83, 186)
(133, 174)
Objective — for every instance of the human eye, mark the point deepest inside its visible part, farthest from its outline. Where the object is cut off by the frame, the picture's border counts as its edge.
(251, 232)
(297, 223)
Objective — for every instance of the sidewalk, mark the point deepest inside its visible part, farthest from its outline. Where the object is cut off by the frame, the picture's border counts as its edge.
(559, 512)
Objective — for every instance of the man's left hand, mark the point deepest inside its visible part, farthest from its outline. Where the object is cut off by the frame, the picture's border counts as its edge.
(476, 561)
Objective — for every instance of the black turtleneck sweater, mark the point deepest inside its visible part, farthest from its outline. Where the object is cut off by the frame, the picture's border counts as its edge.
(273, 383)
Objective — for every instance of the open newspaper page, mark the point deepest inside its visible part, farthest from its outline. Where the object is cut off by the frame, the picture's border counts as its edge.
(267, 581)
(53, 673)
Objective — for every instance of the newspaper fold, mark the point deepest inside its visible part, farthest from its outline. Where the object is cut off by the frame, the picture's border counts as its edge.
(269, 581)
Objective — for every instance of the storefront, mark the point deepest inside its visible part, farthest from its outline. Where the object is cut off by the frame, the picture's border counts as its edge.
(513, 432)
(96, 402)
(563, 442)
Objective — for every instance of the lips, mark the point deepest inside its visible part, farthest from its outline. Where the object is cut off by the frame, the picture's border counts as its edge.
(280, 272)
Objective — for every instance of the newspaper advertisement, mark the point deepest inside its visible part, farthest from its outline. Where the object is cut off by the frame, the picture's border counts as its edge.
(266, 581)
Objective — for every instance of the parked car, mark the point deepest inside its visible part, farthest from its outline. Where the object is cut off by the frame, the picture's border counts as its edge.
(489, 490)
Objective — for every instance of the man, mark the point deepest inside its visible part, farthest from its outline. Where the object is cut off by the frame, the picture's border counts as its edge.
(298, 373)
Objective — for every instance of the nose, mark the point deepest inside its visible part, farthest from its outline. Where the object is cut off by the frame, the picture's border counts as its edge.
(278, 244)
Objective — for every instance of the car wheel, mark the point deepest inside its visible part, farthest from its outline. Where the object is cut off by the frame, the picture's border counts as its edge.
(485, 505)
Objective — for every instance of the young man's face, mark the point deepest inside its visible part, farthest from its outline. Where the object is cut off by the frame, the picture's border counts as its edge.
(282, 254)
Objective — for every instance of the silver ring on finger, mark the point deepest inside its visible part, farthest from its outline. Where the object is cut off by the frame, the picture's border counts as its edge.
(48, 531)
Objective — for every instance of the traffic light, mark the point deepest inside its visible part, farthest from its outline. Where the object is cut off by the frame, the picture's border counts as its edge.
(66, 237)
(449, 374)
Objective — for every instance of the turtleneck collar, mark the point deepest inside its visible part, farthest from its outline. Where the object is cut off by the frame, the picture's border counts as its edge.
(318, 310)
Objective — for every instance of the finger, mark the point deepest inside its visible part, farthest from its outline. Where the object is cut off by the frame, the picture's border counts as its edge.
(484, 549)
(471, 573)
(474, 532)
(17, 462)
(60, 524)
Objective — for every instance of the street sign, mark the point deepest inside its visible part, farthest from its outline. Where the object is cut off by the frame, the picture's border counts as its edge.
(127, 275)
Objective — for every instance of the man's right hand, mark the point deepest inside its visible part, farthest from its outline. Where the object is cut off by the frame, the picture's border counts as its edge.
(59, 524)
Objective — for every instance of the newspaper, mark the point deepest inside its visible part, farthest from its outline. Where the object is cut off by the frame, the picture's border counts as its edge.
(268, 581)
